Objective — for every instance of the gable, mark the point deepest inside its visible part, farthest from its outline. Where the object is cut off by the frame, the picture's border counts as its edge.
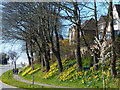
(102, 19)
(89, 25)
(118, 9)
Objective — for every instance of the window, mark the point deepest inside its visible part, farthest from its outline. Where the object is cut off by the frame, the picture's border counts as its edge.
(101, 30)
(100, 36)
(108, 35)
(101, 26)
(115, 21)
(116, 32)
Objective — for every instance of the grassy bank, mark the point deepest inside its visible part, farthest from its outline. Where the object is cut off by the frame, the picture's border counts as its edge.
(70, 77)
(8, 79)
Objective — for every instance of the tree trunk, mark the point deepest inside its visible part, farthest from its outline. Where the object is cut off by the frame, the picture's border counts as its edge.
(78, 53)
(47, 63)
(95, 61)
(15, 65)
(58, 48)
(39, 57)
(40, 49)
(113, 61)
(96, 22)
(28, 54)
(91, 61)
(31, 52)
(58, 55)
(103, 82)
(42, 62)
(46, 57)
(78, 22)
(59, 62)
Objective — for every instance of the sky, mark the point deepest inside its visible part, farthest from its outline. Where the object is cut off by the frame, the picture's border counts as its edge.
(17, 48)
(18, 45)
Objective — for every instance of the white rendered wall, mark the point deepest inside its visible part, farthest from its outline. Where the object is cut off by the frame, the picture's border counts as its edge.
(115, 16)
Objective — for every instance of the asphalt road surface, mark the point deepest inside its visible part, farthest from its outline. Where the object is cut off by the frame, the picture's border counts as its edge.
(4, 68)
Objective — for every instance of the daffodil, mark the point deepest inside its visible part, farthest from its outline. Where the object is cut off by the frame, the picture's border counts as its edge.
(117, 80)
(96, 76)
(34, 70)
(25, 67)
(91, 68)
(26, 71)
(82, 81)
(89, 78)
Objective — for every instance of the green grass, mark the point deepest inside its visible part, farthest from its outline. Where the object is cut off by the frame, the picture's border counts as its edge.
(75, 83)
(54, 81)
(8, 79)
(86, 61)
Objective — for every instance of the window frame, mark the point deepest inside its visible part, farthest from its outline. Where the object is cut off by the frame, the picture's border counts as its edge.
(115, 21)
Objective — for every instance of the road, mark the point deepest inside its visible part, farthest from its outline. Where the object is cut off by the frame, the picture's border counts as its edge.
(4, 68)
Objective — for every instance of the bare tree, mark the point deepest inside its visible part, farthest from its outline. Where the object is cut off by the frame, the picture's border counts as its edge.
(27, 52)
(113, 61)
(13, 56)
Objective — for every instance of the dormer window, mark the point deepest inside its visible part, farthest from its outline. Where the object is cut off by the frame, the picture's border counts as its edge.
(115, 21)
(101, 26)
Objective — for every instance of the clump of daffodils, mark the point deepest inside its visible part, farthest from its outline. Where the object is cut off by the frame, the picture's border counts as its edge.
(26, 71)
(33, 71)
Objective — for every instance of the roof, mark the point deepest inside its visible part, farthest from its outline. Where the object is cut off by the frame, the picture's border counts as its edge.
(84, 23)
(118, 8)
(89, 25)
(102, 19)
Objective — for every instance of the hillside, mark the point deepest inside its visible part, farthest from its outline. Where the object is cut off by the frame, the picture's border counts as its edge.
(70, 77)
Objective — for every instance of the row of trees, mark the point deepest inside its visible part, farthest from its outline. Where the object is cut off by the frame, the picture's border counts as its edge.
(39, 26)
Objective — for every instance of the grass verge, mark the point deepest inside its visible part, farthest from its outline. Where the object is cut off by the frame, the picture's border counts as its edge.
(7, 78)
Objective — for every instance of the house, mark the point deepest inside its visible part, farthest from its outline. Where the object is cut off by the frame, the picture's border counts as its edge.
(116, 22)
(88, 28)
(101, 25)
(116, 17)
